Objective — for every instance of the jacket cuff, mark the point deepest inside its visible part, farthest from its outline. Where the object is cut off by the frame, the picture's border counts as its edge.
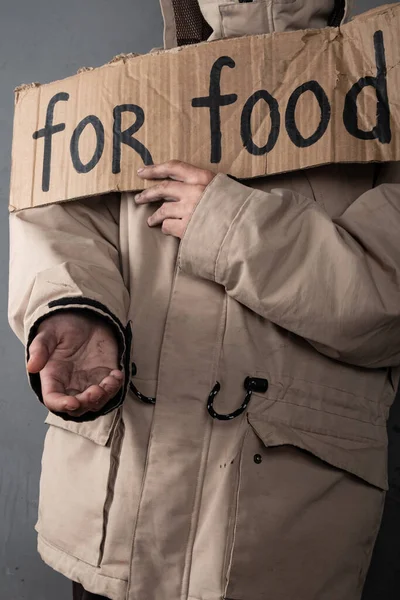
(210, 223)
(124, 340)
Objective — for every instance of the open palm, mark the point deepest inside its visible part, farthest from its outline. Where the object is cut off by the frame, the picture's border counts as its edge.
(77, 357)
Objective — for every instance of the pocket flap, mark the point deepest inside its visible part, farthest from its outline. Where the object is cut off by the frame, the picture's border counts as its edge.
(98, 431)
(244, 18)
(366, 459)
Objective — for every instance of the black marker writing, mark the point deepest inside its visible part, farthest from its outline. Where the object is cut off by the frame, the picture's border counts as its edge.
(381, 131)
(79, 166)
(290, 121)
(245, 128)
(214, 101)
(47, 132)
(125, 137)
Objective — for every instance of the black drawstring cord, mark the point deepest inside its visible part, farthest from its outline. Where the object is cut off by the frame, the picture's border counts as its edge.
(142, 397)
(134, 390)
(251, 384)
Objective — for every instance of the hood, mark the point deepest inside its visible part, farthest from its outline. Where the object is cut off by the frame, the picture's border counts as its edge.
(194, 21)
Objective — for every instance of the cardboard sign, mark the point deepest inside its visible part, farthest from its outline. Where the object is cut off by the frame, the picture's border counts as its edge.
(248, 106)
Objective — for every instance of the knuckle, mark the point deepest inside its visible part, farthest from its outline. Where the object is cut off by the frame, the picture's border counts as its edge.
(34, 347)
(159, 189)
(206, 178)
(98, 399)
(99, 404)
(48, 405)
(199, 188)
(41, 337)
(174, 163)
(164, 185)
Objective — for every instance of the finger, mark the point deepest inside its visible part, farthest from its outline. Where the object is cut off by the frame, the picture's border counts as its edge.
(174, 227)
(55, 395)
(59, 402)
(58, 399)
(167, 211)
(167, 190)
(118, 374)
(175, 169)
(40, 351)
(111, 385)
(94, 398)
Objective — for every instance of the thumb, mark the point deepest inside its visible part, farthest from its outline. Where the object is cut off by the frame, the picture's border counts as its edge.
(40, 351)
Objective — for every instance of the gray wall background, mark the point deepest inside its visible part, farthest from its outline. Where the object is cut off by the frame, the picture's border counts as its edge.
(44, 40)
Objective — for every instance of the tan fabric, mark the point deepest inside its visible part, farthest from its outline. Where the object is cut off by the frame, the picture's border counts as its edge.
(293, 279)
(305, 520)
(302, 539)
(227, 18)
(140, 502)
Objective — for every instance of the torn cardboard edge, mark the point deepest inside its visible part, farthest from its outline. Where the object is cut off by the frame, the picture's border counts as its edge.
(249, 106)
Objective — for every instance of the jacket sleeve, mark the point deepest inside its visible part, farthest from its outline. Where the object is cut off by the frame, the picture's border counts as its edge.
(63, 257)
(335, 283)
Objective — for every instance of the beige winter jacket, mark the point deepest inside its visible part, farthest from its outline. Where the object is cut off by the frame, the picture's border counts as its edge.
(292, 280)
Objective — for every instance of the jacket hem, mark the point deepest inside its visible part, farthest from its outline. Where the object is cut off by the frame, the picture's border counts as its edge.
(90, 577)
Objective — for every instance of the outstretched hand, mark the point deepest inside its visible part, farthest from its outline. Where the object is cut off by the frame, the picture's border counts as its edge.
(77, 358)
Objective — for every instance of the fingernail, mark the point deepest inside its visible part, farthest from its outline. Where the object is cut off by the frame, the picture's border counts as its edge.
(140, 170)
(71, 408)
(137, 197)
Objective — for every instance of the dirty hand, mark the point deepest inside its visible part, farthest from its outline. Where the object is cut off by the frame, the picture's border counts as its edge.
(77, 358)
(181, 189)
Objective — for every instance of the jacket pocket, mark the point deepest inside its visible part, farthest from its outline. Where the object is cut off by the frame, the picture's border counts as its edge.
(249, 18)
(297, 525)
(78, 467)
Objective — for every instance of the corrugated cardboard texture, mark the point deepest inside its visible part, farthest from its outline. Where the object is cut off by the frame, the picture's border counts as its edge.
(248, 106)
